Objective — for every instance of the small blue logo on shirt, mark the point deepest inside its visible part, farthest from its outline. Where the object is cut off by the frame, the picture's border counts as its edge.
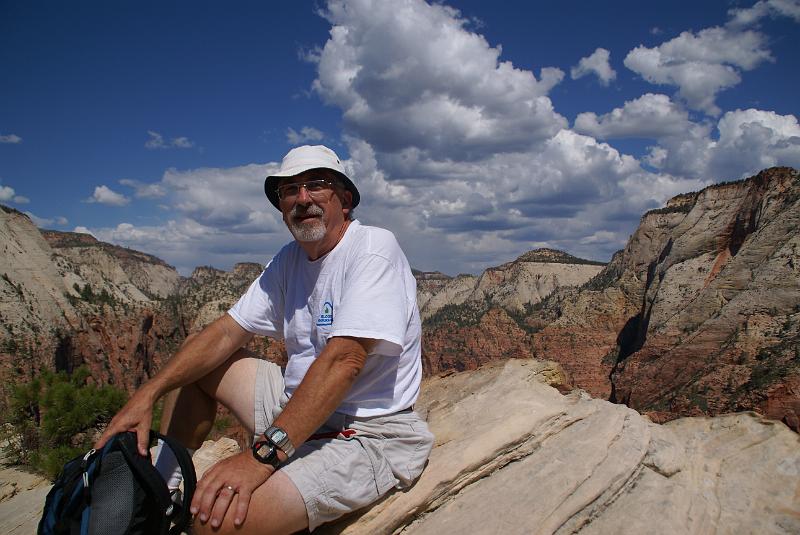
(326, 317)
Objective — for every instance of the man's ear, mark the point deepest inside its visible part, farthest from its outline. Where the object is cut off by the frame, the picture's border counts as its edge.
(347, 201)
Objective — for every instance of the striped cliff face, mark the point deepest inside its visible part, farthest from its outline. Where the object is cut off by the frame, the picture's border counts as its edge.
(697, 315)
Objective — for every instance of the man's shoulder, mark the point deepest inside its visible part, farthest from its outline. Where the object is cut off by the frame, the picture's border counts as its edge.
(287, 252)
(376, 234)
(375, 240)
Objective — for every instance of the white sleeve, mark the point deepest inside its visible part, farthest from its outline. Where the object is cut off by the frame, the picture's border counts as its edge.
(260, 309)
(374, 305)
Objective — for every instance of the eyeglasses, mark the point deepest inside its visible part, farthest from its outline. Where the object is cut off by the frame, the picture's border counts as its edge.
(317, 189)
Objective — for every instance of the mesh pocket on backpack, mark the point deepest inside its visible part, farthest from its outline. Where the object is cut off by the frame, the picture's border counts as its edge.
(115, 495)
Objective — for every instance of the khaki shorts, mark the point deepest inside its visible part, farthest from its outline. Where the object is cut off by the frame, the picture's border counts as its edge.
(338, 475)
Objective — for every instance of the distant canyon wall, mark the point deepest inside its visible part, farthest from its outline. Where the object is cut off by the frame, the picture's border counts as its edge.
(699, 314)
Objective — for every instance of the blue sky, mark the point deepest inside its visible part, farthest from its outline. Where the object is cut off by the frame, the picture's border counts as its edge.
(476, 131)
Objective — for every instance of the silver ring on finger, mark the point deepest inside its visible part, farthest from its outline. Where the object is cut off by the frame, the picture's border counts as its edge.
(230, 489)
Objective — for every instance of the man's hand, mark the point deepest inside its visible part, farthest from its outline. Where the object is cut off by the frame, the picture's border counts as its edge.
(136, 415)
(238, 475)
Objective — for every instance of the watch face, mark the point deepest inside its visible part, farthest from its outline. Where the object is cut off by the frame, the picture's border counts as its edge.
(279, 435)
(265, 452)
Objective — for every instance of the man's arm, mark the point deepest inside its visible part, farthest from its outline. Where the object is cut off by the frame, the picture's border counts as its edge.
(198, 356)
(324, 387)
(321, 391)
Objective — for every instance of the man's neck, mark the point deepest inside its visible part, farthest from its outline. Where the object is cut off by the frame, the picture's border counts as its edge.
(318, 249)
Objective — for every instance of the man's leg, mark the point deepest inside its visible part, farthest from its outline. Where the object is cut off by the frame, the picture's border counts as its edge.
(276, 506)
(189, 412)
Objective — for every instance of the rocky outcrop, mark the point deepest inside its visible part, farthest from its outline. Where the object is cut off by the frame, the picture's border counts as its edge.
(472, 320)
(699, 314)
(514, 286)
(512, 455)
(717, 329)
(494, 335)
(134, 276)
(22, 497)
(209, 292)
(69, 300)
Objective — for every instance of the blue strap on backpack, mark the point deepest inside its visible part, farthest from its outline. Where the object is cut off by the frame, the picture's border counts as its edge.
(117, 491)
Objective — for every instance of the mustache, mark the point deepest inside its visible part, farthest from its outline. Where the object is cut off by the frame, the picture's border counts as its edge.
(311, 210)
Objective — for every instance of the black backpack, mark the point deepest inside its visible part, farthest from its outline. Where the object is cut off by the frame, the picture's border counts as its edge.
(116, 491)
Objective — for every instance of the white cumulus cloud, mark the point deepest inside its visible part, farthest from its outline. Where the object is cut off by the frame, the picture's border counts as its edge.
(105, 195)
(741, 143)
(7, 194)
(144, 190)
(10, 138)
(410, 75)
(702, 64)
(649, 116)
(750, 140)
(597, 64)
(461, 154)
(743, 17)
(157, 141)
(306, 134)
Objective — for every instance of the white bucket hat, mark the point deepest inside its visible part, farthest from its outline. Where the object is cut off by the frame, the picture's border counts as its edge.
(304, 158)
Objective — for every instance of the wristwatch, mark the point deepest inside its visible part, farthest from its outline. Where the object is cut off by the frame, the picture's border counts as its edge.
(267, 453)
(278, 436)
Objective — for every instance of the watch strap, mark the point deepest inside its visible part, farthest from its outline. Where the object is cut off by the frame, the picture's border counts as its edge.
(270, 455)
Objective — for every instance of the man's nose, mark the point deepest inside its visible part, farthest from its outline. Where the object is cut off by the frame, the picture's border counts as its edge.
(303, 196)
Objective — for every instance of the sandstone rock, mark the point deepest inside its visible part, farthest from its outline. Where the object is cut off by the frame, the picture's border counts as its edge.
(212, 452)
(69, 300)
(514, 456)
(21, 500)
(717, 325)
(699, 314)
(514, 286)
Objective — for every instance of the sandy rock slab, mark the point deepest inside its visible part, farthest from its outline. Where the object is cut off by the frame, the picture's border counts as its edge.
(21, 500)
(512, 455)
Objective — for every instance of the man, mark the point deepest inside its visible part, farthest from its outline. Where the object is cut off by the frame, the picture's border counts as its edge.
(337, 429)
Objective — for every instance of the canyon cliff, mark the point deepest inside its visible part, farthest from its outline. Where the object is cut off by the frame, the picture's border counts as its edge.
(69, 300)
(698, 314)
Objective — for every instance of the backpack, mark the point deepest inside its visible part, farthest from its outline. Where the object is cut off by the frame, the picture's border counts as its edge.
(116, 491)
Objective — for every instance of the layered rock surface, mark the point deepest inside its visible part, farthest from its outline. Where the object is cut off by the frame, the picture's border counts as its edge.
(699, 314)
(69, 300)
(514, 286)
(512, 455)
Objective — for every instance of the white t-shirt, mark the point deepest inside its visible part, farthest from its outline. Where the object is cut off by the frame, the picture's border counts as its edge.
(362, 288)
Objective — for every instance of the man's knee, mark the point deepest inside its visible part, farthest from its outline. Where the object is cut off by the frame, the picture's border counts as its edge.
(276, 507)
(233, 384)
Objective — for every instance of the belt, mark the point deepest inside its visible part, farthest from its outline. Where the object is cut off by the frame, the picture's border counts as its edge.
(348, 433)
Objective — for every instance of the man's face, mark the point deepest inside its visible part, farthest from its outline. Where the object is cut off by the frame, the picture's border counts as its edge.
(315, 216)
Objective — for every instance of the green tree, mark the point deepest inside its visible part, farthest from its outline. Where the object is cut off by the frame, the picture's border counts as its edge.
(53, 416)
